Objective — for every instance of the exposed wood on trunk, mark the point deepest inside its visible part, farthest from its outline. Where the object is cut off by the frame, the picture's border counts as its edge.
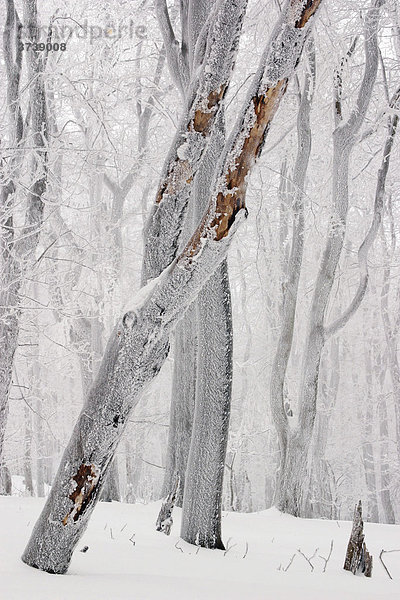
(204, 99)
(84, 482)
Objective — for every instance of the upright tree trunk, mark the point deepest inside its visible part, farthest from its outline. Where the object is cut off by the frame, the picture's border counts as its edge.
(386, 479)
(367, 445)
(28, 451)
(322, 492)
(182, 403)
(201, 518)
(288, 439)
(18, 254)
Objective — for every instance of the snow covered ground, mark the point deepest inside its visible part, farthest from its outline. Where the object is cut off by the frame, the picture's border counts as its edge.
(128, 559)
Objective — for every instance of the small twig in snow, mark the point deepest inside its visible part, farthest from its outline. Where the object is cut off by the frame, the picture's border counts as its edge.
(309, 559)
(131, 540)
(289, 563)
(124, 527)
(326, 560)
(178, 547)
(246, 551)
(381, 559)
(229, 547)
(111, 534)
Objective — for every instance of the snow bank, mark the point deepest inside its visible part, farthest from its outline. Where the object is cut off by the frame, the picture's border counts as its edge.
(128, 559)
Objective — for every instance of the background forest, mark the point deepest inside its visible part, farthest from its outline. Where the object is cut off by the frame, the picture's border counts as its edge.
(114, 99)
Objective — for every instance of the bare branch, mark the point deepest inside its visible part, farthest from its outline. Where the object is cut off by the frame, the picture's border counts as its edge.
(326, 560)
(175, 58)
(310, 558)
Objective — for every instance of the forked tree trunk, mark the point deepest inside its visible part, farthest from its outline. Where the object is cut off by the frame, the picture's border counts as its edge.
(139, 344)
(293, 470)
(189, 345)
(291, 269)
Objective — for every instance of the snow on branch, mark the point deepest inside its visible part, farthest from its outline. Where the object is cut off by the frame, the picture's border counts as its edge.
(371, 65)
(176, 63)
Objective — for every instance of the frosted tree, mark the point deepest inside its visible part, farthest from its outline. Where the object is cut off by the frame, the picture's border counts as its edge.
(19, 242)
(139, 343)
(295, 440)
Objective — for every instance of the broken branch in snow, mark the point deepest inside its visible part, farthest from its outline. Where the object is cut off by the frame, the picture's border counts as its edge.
(382, 552)
(288, 565)
(246, 551)
(310, 558)
(326, 560)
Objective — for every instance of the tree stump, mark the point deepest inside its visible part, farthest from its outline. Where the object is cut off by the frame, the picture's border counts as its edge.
(358, 559)
(164, 520)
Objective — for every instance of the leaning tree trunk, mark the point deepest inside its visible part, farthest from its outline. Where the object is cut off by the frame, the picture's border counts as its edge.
(139, 344)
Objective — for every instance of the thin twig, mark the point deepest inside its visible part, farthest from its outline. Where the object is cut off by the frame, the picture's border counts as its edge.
(289, 563)
(309, 559)
(326, 559)
(381, 559)
(246, 551)
(178, 547)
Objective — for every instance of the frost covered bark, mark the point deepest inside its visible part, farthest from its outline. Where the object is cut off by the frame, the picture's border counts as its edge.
(134, 355)
(193, 20)
(206, 92)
